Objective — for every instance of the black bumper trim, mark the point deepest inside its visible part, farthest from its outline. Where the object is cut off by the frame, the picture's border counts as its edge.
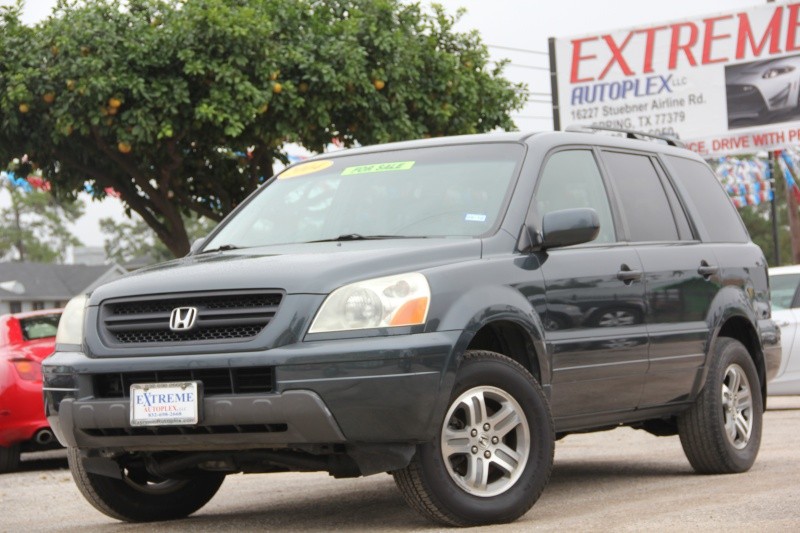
(306, 418)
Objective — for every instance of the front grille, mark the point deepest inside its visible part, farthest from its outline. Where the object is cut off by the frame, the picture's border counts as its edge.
(221, 317)
(215, 381)
(185, 430)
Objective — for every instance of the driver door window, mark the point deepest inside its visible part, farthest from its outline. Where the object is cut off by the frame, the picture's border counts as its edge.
(572, 179)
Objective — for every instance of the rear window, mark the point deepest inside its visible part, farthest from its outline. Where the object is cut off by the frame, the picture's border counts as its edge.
(39, 327)
(716, 210)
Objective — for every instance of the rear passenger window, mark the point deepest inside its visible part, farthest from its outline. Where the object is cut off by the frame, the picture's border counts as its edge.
(572, 179)
(705, 192)
(644, 200)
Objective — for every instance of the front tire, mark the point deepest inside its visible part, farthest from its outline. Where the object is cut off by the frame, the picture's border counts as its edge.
(140, 497)
(494, 452)
(721, 432)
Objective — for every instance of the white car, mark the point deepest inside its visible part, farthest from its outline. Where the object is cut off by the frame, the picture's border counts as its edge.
(785, 295)
(762, 87)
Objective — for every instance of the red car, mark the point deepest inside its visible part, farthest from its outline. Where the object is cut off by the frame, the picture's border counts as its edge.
(25, 339)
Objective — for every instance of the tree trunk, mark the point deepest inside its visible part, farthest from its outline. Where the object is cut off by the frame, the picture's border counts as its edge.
(20, 244)
(794, 225)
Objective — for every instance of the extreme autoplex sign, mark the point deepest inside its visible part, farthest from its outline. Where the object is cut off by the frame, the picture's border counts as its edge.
(727, 82)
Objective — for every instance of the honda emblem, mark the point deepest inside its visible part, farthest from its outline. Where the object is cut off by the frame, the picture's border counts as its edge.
(182, 318)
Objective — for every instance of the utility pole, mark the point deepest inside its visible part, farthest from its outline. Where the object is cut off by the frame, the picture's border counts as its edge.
(773, 211)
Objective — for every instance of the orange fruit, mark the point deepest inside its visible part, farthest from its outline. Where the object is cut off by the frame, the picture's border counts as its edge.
(379, 84)
(114, 102)
(70, 85)
(124, 147)
(24, 108)
(263, 109)
(49, 98)
(277, 88)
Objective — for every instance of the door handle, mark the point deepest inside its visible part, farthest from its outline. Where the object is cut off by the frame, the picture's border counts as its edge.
(627, 275)
(707, 270)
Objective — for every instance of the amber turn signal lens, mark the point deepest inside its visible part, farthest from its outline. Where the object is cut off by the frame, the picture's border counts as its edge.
(412, 312)
(27, 369)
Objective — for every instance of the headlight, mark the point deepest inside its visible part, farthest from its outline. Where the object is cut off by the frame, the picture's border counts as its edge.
(776, 71)
(401, 300)
(70, 326)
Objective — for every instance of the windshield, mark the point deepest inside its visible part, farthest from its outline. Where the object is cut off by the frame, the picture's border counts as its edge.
(430, 192)
(782, 288)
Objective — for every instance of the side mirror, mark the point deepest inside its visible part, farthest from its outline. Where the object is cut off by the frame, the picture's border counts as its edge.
(569, 226)
(196, 244)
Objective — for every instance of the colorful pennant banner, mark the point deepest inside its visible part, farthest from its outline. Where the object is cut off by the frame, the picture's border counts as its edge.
(747, 181)
(789, 162)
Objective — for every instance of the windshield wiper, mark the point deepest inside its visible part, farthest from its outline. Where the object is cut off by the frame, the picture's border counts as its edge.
(359, 237)
(223, 248)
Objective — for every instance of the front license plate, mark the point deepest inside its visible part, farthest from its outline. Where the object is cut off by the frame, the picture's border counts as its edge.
(165, 404)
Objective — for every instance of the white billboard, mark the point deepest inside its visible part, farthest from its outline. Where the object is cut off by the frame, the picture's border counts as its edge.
(725, 83)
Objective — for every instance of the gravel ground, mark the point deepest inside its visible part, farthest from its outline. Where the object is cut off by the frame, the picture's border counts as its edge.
(620, 480)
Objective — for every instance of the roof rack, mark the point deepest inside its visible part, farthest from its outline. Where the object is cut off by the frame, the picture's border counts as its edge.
(630, 134)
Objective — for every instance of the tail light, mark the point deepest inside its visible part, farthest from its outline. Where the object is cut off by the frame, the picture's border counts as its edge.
(27, 369)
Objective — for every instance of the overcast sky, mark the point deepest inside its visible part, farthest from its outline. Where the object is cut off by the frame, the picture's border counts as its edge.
(503, 24)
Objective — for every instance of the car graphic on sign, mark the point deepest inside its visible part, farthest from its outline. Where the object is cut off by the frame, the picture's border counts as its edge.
(756, 90)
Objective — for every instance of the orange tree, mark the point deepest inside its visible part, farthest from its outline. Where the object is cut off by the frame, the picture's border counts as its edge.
(183, 107)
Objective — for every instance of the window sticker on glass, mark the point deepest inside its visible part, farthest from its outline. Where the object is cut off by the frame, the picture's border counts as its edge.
(474, 217)
(305, 168)
(378, 167)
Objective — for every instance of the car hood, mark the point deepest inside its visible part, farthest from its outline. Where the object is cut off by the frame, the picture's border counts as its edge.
(311, 268)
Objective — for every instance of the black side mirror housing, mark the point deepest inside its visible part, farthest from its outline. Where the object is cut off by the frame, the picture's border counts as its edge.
(568, 227)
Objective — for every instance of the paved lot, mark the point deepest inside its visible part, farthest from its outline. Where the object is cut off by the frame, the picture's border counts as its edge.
(621, 480)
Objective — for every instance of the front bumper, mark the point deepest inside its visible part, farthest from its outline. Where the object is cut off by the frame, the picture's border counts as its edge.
(228, 421)
(367, 390)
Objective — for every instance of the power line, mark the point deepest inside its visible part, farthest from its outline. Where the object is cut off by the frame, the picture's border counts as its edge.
(532, 67)
(524, 50)
(533, 117)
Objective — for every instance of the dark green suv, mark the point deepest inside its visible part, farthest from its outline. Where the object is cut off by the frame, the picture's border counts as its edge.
(443, 310)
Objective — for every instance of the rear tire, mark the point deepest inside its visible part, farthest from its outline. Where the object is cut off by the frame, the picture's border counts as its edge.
(493, 454)
(139, 497)
(9, 458)
(721, 432)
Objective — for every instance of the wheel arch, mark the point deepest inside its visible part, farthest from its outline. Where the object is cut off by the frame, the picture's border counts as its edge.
(742, 329)
(498, 318)
(511, 339)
